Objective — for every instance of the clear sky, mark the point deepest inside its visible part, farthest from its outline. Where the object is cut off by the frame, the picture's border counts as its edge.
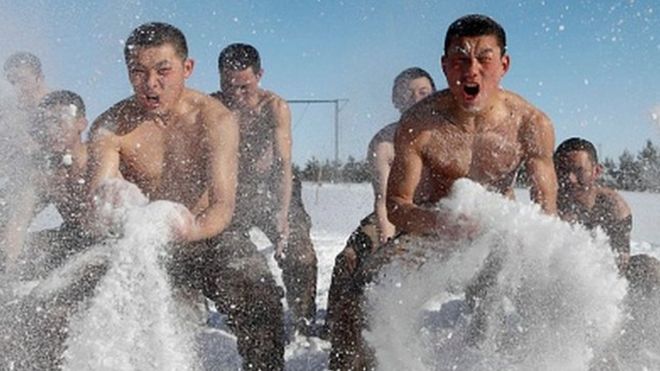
(592, 66)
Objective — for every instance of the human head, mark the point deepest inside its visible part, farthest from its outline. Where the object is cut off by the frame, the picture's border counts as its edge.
(240, 71)
(643, 274)
(475, 60)
(23, 72)
(60, 120)
(411, 86)
(576, 165)
(157, 59)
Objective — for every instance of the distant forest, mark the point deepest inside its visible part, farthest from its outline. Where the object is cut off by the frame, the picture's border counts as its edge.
(630, 172)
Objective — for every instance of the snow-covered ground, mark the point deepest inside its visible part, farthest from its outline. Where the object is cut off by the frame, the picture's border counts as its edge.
(336, 210)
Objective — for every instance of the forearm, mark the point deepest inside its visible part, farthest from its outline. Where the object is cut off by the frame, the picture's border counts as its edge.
(211, 222)
(415, 219)
(545, 195)
(285, 189)
(380, 209)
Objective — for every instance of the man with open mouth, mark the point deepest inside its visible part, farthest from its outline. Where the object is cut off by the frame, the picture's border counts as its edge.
(474, 129)
(181, 145)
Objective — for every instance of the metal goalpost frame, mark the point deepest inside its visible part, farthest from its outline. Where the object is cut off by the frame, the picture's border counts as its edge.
(338, 108)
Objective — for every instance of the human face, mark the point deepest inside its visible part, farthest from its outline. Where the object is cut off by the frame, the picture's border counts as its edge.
(577, 173)
(158, 77)
(241, 88)
(474, 67)
(63, 126)
(26, 82)
(415, 91)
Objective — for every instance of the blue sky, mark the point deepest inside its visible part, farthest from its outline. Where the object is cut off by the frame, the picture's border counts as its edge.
(592, 66)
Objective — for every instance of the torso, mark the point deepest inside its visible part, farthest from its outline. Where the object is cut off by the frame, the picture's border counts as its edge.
(490, 154)
(166, 158)
(257, 145)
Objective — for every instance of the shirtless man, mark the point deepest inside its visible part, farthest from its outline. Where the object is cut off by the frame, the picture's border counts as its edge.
(581, 199)
(58, 178)
(410, 86)
(474, 129)
(268, 196)
(181, 145)
(23, 72)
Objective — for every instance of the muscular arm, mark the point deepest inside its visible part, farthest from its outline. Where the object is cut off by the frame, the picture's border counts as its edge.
(538, 144)
(404, 178)
(223, 137)
(379, 156)
(103, 154)
(282, 118)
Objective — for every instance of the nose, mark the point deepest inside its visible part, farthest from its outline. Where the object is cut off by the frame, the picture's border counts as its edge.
(572, 178)
(152, 79)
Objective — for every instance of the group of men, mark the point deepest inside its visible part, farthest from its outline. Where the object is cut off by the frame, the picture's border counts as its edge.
(226, 158)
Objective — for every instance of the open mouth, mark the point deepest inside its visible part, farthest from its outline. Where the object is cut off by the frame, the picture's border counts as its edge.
(471, 90)
(152, 101)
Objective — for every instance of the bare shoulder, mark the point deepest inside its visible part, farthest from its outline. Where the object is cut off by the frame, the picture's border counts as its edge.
(274, 104)
(208, 107)
(384, 135)
(619, 208)
(426, 117)
(529, 113)
(114, 120)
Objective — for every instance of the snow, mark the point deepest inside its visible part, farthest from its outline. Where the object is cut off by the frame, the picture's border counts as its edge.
(336, 210)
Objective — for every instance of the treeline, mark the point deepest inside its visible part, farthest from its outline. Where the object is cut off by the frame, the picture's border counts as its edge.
(640, 172)
(352, 171)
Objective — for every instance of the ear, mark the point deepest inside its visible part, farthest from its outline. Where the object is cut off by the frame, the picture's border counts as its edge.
(260, 74)
(188, 66)
(598, 170)
(81, 124)
(506, 63)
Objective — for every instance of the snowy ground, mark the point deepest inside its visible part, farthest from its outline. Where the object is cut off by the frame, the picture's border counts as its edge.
(336, 210)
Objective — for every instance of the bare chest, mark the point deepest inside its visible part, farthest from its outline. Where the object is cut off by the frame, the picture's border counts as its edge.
(166, 163)
(490, 157)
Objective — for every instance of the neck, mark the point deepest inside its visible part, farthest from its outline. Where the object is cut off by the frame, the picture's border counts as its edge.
(587, 198)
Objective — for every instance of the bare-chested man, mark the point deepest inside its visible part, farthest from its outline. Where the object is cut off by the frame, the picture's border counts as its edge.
(581, 199)
(58, 178)
(23, 72)
(474, 129)
(181, 145)
(410, 86)
(268, 196)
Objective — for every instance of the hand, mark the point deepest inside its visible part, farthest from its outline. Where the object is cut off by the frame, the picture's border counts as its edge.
(111, 200)
(182, 224)
(385, 232)
(281, 246)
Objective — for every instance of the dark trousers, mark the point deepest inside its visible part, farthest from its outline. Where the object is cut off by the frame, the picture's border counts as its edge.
(299, 266)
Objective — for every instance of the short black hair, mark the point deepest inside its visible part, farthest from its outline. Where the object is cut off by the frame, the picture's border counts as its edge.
(572, 145)
(237, 57)
(403, 78)
(23, 59)
(50, 101)
(155, 34)
(475, 25)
